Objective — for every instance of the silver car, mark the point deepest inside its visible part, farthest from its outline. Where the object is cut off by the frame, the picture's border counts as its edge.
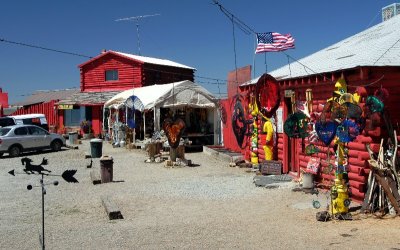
(21, 138)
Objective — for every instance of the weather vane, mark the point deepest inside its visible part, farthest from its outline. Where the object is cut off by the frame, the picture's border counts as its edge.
(136, 19)
(29, 168)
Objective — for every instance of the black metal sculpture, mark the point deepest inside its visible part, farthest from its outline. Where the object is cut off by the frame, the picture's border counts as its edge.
(29, 168)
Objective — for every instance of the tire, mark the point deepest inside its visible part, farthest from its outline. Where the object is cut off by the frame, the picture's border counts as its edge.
(14, 151)
(56, 145)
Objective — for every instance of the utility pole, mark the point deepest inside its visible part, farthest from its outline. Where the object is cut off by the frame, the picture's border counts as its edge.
(136, 19)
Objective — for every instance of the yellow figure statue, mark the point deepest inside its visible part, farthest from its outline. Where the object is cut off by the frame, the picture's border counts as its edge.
(268, 129)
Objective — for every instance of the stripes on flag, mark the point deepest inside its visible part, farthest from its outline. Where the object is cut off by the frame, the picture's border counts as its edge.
(272, 41)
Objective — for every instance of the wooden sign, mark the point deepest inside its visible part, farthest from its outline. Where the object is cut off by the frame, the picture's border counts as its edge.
(271, 167)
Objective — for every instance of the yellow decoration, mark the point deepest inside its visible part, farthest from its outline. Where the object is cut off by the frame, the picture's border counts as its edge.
(341, 86)
(340, 198)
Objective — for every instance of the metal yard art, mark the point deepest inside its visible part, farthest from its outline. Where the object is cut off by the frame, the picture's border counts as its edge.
(39, 169)
(343, 118)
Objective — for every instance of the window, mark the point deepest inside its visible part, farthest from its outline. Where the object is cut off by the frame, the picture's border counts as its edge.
(112, 75)
(20, 131)
(36, 131)
(72, 117)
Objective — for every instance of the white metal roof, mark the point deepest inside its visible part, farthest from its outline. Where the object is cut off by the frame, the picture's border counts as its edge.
(153, 60)
(184, 93)
(376, 46)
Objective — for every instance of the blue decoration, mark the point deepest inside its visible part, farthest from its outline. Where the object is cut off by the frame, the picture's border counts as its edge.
(326, 131)
(347, 131)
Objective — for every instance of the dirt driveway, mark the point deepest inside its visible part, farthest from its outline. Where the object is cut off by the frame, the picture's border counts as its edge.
(210, 206)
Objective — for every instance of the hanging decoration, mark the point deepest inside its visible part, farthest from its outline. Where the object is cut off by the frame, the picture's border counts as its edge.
(239, 125)
(267, 95)
(295, 125)
(374, 104)
(311, 149)
(326, 131)
(347, 131)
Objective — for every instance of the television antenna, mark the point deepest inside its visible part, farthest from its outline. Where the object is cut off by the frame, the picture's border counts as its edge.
(136, 19)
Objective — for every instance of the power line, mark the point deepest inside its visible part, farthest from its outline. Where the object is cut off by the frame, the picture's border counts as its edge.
(248, 30)
(81, 55)
(43, 48)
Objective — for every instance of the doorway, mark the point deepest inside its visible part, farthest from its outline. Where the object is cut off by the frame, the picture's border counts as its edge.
(290, 143)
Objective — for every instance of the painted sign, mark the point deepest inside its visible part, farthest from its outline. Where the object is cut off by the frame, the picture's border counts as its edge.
(65, 106)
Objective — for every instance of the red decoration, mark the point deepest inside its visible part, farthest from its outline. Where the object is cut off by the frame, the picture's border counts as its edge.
(267, 95)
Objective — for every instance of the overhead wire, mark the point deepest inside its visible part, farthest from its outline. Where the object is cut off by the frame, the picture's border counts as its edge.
(81, 55)
(248, 30)
(43, 48)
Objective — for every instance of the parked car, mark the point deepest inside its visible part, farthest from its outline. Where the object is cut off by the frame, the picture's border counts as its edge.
(21, 138)
(34, 119)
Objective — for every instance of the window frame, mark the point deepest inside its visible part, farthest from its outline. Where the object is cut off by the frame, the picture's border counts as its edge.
(111, 75)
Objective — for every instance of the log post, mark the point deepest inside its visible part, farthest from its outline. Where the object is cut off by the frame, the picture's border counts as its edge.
(173, 154)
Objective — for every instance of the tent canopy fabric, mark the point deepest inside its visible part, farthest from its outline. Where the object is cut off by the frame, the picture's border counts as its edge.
(177, 94)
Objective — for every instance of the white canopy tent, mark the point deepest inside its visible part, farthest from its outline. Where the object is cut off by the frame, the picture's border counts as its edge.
(172, 95)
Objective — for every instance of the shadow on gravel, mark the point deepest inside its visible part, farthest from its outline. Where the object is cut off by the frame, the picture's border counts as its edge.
(38, 152)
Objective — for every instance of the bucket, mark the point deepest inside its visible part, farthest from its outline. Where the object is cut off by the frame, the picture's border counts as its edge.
(308, 180)
(72, 137)
(96, 146)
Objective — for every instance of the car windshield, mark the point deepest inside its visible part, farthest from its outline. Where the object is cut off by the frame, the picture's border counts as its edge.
(4, 131)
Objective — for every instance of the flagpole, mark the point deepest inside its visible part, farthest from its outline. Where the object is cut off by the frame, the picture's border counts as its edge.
(265, 62)
(254, 57)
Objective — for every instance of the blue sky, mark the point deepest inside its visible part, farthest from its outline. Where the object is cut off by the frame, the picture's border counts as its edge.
(192, 32)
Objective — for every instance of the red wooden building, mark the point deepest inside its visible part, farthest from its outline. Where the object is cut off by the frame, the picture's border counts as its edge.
(43, 102)
(110, 73)
(370, 59)
(3, 101)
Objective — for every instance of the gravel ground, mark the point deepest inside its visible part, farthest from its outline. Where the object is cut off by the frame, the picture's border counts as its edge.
(210, 206)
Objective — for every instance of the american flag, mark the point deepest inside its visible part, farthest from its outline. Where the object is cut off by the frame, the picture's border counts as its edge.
(272, 41)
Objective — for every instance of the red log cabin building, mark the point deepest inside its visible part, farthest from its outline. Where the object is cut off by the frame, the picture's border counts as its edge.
(109, 73)
(369, 59)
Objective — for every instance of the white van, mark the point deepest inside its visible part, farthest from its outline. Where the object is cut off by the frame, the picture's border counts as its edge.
(35, 119)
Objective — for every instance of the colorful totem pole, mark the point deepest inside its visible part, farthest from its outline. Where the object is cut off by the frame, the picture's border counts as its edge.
(253, 109)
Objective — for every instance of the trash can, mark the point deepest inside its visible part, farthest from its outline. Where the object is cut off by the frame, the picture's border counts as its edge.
(106, 169)
(72, 137)
(96, 146)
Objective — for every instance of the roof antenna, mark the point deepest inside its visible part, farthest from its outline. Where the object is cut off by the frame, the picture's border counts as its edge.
(136, 19)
